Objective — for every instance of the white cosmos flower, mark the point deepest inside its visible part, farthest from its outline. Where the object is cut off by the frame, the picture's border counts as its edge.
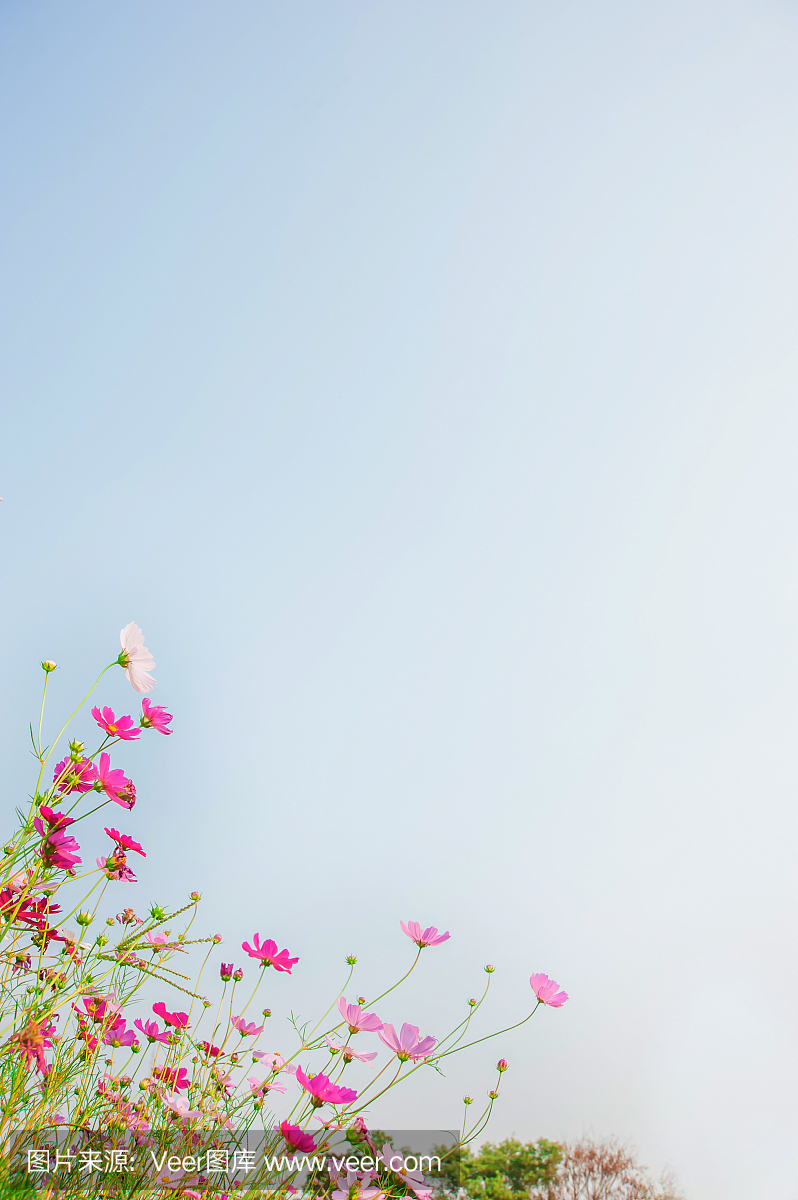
(139, 661)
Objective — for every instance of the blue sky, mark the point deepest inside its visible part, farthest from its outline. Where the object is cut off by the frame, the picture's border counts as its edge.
(421, 378)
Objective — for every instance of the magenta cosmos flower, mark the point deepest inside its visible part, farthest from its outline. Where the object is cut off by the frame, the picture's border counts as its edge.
(58, 849)
(269, 955)
(407, 1044)
(349, 1052)
(136, 658)
(114, 783)
(72, 776)
(323, 1091)
(427, 937)
(119, 1035)
(547, 991)
(151, 1031)
(244, 1029)
(297, 1138)
(126, 842)
(174, 1077)
(119, 727)
(155, 716)
(357, 1020)
(178, 1019)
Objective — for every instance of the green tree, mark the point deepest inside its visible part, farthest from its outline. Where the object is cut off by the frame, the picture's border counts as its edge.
(507, 1171)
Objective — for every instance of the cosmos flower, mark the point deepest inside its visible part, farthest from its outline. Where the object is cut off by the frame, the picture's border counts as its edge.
(349, 1052)
(126, 841)
(57, 848)
(119, 727)
(173, 1077)
(111, 782)
(244, 1029)
(357, 1020)
(261, 1087)
(269, 955)
(119, 1035)
(151, 1031)
(180, 1105)
(178, 1019)
(32, 1041)
(155, 716)
(429, 937)
(547, 991)
(323, 1091)
(406, 1045)
(297, 1138)
(72, 776)
(395, 1162)
(274, 1060)
(136, 658)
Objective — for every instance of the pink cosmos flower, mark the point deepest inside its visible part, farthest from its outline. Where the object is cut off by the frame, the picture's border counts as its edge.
(113, 783)
(261, 1087)
(155, 716)
(126, 842)
(297, 1138)
(136, 658)
(57, 848)
(53, 820)
(406, 1045)
(178, 1019)
(395, 1162)
(32, 1041)
(274, 1060)
(211, 1051)
(180, 1105)
(102, 1008)
(74, 776)
(226, 972)
(244, 1029)
(119, 1035)
(115, 867)
(351, 1186)
(269, 955)
(429, 937)
(157, 941)
(121, 727)
(547, 991)
(151, 1031)
(173, 1077)
(323, 1091)
(357, 1020)
(126, 796)
(349, 1052)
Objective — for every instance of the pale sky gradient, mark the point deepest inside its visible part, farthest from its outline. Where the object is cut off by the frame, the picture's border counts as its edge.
(422, 378)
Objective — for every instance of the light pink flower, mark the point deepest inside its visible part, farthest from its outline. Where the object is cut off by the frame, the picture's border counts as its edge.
(113, 783)
(395, 1162)
(261, 1087)
(357, 1020)
(158, 941)
(269, 955)
(136, 658)
(349, 1052)
(121, 727)
(323, 1091)
(274, 1060)
(429, 937)
(244, 1029)
(547, 991)
(180, 1105)
(407, 1044)
(351, 1186)
(155, 716)
(115, 867)
(72, 776)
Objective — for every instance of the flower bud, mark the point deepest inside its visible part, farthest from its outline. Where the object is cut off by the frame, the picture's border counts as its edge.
(238, 975)
(493, 1095)
(135, 1048)
(217, 937)
(109, 920)
(351, 959)
(193, 895)
(501, 1065)
(144, 1084)
(84, 918)
(267, 1012)
(76, 751)
(226, 972)
(468, 1100)
(157, 913)
(206, 1003)
(234, 1058)
(8, 849)
(490, 969)
(361, 999)
(472, 1002)
(47, 666)
(102, 940)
